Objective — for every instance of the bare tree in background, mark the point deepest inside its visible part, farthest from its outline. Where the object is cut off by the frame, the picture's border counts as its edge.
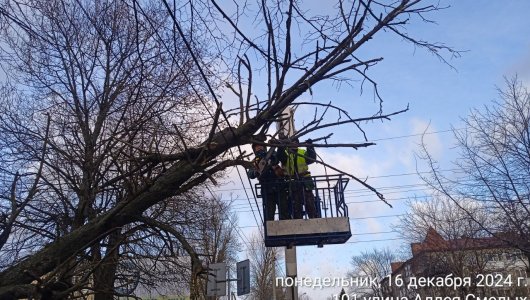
(493, 167)
(443, 215)
(263, 269)
(159, 253)
(373, 265)
(216, 239)
(458, 244)
(118, 102)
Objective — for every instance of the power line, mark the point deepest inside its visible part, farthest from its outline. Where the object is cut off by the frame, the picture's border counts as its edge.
(376, 217)
(370, 233)
(370, 177)
(350, 218)
(189, 81)
(383, 188)
(362, 241)
(236, 228)
(392, 187)
(357, 193)
(417, 134)
(244, 206)
(373, 241)
(255, 199)
(352, 192)
(195, 60)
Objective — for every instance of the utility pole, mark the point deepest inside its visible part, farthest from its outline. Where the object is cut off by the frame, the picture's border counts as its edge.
(229, 284)
(291, 271)
(274, 277)
(287, 126)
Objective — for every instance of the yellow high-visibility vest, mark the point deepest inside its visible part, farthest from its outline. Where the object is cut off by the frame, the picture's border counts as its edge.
(301, 164)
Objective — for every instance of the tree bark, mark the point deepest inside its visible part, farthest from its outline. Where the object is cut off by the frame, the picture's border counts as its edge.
(105, 274)
(172, 182)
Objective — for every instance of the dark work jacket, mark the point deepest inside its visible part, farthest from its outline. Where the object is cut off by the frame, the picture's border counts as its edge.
(268, 173)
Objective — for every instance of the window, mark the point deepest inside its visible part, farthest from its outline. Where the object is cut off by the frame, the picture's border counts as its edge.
(490, 257)
(512, 256)
(520, 273)
(408, 271)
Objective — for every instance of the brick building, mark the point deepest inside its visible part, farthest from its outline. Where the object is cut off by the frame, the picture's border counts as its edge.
(495, 268)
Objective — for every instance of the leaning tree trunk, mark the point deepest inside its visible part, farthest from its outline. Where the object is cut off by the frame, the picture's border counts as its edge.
(195, 282)
(105, 273)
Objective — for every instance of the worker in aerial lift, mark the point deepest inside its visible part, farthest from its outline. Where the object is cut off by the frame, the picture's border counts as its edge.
(296, 161)
(272, 179)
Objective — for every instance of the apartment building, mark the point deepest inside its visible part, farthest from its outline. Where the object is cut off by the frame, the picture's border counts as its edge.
(459, 267)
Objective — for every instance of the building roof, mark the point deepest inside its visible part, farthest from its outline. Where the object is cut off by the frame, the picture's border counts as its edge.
(396, 265)
(434, 242)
